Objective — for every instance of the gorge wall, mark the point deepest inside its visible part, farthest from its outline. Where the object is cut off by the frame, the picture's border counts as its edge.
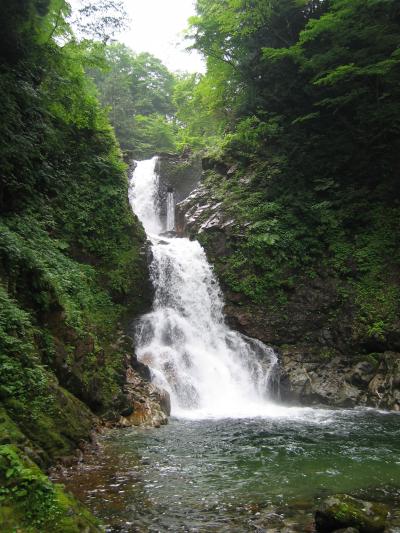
(337, 332)
(73, 273)
(72, 277)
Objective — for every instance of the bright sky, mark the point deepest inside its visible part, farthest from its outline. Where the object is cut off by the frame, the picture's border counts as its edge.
(156, 26)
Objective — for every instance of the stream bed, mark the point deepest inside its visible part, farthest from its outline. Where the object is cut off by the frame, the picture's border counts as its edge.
(237, 475)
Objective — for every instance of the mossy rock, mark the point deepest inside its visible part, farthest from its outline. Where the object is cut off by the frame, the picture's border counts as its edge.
(342, 511)
(30, 503)
(9, 431)
(55, 428)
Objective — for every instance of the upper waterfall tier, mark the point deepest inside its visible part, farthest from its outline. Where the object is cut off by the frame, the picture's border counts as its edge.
(208, 369)
(143, 195)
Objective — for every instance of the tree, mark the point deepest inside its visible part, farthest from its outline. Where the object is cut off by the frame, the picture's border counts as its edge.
(232, 34)
(200, 113)
(136, 86)
(100, 20)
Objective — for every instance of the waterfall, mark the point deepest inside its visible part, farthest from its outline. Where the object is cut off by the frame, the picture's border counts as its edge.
(170, 211)
(208, 369)
(143, 196)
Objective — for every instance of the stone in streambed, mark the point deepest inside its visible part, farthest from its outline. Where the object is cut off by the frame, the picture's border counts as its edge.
(343, 511)
(144, 403)
(149, 406)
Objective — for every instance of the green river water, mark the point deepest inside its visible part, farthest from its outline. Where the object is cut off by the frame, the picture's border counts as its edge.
(262, 474)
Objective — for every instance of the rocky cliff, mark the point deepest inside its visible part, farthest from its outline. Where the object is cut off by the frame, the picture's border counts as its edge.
(312, 316)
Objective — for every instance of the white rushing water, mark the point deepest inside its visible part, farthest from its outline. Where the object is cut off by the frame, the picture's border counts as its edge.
(208, 369)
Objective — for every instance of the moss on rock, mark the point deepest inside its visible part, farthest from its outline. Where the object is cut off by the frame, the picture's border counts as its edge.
(341, 510)
(30, 503)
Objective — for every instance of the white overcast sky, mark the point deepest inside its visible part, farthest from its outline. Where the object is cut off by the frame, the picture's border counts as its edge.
(156, 26)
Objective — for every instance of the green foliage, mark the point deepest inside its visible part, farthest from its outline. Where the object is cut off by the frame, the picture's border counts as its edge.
(29, 392)
(74, 301)
(310, 94)
(153, 110)
(200, 115)
(72, 266)
(101, 19)
(22, 377)
(153, 134)
(314, 71)
(27, 485)
(137, 89)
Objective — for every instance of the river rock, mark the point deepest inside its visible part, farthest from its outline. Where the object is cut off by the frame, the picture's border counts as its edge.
(343, 511)
(165, 402)
(146, 412)
(144, 403)
(308, 378)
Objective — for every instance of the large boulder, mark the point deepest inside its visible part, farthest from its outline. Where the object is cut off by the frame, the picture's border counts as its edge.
(343, 511)
(145, 403)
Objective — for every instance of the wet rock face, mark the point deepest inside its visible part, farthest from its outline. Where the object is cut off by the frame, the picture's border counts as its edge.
(199, 213)
(179, 174)
(339, 381)
(342, 512)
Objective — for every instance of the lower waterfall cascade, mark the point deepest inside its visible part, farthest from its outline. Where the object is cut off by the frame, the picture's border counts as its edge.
(207, 368)
(230, 459)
